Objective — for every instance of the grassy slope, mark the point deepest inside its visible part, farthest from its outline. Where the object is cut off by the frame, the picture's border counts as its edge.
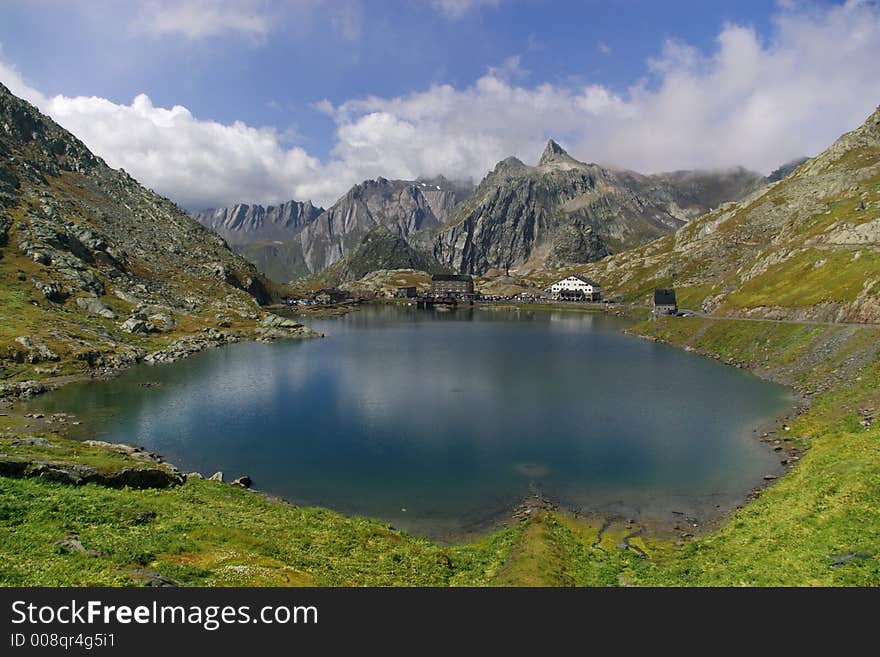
(830, 503)
(175, 532)
(263, 542)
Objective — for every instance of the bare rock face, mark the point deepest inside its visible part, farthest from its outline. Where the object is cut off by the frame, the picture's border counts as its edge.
(298, 239)
(242, 224)
(406, 208)
(563, 211)
(572, 244)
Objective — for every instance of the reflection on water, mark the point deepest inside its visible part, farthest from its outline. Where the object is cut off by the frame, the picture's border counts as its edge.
(451, 416)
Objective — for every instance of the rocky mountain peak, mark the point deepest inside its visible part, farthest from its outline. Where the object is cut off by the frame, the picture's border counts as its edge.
(552, 151)
(556, 157)
(510, 165)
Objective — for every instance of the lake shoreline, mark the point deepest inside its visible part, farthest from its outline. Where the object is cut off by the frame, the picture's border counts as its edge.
(683, 526)
(184, 347)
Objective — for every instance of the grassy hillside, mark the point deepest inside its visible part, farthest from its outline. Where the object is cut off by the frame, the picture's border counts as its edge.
(95, 269)
(805, 247)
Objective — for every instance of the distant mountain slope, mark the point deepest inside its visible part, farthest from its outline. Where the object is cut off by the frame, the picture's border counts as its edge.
(806, 247)
(297, 239)
(244, 224)
(405, 207)
(280, 261)
(781, 172)
(92, 264)
(563, 211)
(696, 192)
(380, 249)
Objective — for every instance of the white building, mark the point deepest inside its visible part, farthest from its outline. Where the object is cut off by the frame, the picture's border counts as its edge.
(576, 287)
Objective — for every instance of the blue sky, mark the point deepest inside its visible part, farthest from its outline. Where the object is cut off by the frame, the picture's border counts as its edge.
(301, 98)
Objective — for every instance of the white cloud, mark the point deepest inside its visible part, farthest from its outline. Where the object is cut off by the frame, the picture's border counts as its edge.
(458, 8)
(197, 19)
(511, 68)
(752, 102)
(10, 76)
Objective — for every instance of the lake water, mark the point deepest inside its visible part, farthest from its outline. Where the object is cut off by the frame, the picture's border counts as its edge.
(440, 422)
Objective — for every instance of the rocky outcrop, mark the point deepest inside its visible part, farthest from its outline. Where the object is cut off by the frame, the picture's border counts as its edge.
(563, 211)
(21, 389)
(274, 327)
(151, 471)
(192, 344)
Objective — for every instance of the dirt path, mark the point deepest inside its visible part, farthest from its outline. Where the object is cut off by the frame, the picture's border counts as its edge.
(703, 315)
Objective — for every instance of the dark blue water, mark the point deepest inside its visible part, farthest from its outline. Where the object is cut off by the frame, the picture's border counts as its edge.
(439, 421)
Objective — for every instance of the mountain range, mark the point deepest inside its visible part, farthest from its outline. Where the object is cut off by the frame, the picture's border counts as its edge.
(563, 211)
(559, 212)
(297, 239)
(88, 255)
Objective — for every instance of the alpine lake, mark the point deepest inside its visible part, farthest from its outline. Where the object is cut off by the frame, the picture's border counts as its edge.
(441, 423)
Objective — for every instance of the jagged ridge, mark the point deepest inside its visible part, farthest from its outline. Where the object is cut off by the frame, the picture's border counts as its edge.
(565, 211)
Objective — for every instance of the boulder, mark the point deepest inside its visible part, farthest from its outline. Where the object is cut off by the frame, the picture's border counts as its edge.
(276, 321)
(134, 325)
(244, 481)
(161, 321)
(52, 291)
(217, 476)
(95, 306)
